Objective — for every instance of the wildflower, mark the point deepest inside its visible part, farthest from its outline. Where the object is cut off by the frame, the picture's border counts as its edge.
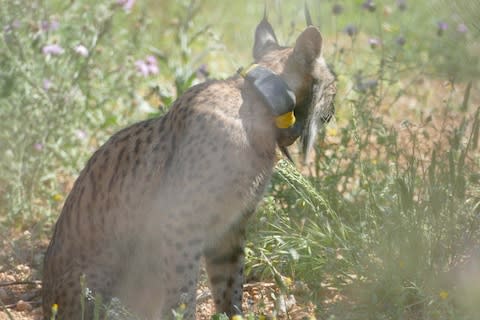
(57, 197)
(332, 131)
(402, 5)
(462, 28)
(51, 25)
(38, 146)
(202, 72)
(443, 295)
(52, 49)
(441, 28)
(81, 50)
(54, 310)
(12, 26)
(364, 85)
(237, 317)
(80, 134)
(147, 67)
(151, 62)
(351, 30)
(400, 40)
(47, 84)
(369, 5)
(374, 42)
(337, 9)
(126, 4)
(142, 67)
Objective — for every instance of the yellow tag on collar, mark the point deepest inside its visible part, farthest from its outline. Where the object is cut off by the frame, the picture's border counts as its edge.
(245, 71)
(285, 120)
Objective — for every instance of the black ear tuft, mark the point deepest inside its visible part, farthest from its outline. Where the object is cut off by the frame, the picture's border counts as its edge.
(308, 17)
(265, 39)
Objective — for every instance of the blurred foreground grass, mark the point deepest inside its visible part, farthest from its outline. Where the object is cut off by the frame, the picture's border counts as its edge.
(383, 223)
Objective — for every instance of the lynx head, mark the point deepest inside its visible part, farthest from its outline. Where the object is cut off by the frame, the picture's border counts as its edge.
(304, 70)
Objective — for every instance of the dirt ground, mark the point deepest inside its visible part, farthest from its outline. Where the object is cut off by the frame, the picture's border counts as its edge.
(22, 301)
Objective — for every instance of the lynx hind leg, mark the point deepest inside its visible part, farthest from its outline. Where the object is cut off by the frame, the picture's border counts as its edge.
(164, 280)
(67, 295)
(225, 266)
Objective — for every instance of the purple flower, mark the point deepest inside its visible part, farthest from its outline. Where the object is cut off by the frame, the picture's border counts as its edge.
(52, 49)
(142, 67)
(151, 62)
(402, 5)
(202, 71)
(81, 50)
(337, 9)
(374, 42)
(16, 24)
(441, 27)
(369, 5)
(126, 4)
(462, 28)
(152, 69)
(51, 25)
(147, 67)
(351, 30)
(47, 84)
(12, 26)
(363, 84)
(400, 40)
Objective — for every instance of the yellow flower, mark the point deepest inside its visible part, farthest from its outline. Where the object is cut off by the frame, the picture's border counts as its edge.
(443, 295)
(182, 307)
(287, 281)
(57, 197)
(54, 311)
(332, 131)
(237, 317)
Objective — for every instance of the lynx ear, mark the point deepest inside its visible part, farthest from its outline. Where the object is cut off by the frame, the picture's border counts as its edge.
(308, 46)
(265, 39)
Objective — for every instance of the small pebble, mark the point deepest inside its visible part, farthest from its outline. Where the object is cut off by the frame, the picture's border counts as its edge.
(23, 306)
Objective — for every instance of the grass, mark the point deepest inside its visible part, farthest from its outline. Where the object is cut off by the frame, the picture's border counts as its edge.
(383, 221)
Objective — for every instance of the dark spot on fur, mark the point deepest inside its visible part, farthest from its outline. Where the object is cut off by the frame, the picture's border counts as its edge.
(178, 245)
(217, 279)
(138, 143)
(180, 269)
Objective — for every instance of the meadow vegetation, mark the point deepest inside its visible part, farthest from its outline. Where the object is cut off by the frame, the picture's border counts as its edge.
(382, 222)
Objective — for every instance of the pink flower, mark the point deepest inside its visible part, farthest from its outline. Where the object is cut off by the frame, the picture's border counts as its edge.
(151, 62)
(148, 66)
(374, 42)
(126, 4)
(52, 49)
(38, 146)
(142, 67)
(49, 25)
(80, 134)
(81, 50)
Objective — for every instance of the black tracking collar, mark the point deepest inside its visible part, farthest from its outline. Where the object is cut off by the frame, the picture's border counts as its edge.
(273, 89)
